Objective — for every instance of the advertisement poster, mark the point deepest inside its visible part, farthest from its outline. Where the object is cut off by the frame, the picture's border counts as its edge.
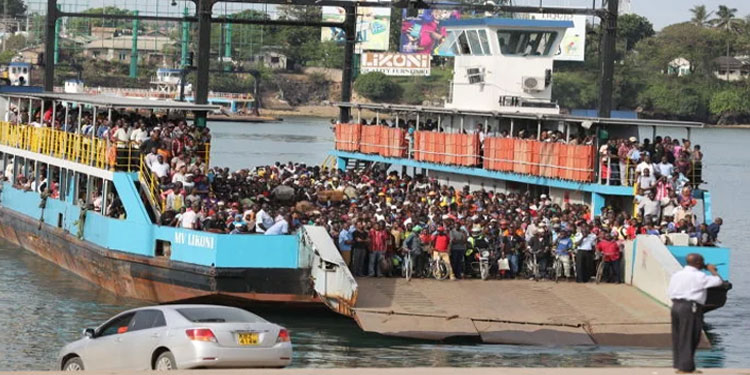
(373, 26)
(423, 34)
(396, 64)
(573, 44)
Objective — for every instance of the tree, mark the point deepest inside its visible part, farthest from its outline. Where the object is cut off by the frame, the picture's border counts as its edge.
(83, 25)
(726, 20)
(701, 17)
(15, 8)
(633, 28)
(15, 42)
(377, 86)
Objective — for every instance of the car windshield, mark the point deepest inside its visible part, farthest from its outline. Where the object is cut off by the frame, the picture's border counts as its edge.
(218, 315)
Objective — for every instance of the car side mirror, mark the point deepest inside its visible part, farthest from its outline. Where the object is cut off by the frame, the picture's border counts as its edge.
(88, 332)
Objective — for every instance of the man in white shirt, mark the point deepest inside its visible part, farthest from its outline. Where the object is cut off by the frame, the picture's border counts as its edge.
(665, 168)
(160, 168)
(280, 227)
(687, 290)
(187, 221)
(645, 164)
(263, 220)
(121, 136)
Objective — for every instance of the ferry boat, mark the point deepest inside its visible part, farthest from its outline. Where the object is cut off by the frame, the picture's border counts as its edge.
(132, 255)
(502, 83)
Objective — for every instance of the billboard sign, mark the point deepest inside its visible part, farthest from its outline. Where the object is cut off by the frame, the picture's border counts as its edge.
(373, 27)
(396, 64)
(573, 44)
(423, 34)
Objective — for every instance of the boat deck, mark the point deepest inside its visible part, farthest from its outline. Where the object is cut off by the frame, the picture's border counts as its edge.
(513, 312)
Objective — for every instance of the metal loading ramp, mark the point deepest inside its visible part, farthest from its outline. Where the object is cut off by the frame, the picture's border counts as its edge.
(517, 312)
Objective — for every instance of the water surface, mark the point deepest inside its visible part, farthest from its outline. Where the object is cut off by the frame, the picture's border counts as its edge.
(42, 306)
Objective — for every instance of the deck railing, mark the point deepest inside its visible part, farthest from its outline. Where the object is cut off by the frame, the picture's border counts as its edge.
(56, 143)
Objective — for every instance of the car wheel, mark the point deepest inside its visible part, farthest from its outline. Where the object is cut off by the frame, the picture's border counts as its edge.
(73, 364)
(165, 361)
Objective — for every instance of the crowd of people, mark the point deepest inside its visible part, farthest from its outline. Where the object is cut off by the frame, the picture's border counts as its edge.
(375, 216)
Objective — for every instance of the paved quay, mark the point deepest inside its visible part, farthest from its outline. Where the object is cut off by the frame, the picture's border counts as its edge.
(425, 371)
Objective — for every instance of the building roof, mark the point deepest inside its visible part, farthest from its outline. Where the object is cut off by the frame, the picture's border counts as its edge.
(111, 101)
(145, 43)
(519, 115)
(509, 22)
(727, 62)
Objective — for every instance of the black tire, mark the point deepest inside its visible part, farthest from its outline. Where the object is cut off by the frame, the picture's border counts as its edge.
(73, 364)
(165, 361)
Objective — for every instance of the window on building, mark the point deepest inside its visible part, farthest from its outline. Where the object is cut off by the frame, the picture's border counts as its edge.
(274, 60)
(526, 43)
(123, 56)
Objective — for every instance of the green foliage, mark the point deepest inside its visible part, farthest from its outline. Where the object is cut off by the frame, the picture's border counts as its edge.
(734, 100)
(15, 42)
(632, 28)
(325, 54)
(675, 98)
(575, 90)
(6, 56)
(377, 86)
(84, 25)
(413, 93)
(701, 16)
(15, 8)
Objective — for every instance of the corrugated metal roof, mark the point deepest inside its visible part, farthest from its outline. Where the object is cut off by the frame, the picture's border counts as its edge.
(145, 43)
(521, 115)
(111, 101)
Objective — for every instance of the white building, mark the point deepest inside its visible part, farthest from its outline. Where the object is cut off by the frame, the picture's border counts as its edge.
(679, 67)
(503, 64)
(731, 68)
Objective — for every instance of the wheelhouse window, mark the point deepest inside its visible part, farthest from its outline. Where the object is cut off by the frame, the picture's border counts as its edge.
(466, 42)
(526, 43)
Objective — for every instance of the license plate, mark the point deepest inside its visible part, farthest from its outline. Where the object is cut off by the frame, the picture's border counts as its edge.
(247, 338)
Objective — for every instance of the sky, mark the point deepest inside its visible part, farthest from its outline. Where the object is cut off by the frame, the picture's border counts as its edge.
(660, 12)
(666, 12)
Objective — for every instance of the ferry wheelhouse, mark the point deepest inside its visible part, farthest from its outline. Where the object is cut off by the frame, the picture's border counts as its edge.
(99, 215)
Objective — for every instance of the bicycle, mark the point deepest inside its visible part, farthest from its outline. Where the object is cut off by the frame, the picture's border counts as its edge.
(599, 269)
(557, 267)
(439, 269)
(406, 267)
(532, 267)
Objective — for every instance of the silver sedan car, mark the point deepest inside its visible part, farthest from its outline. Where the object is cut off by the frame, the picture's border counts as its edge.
(179, 336)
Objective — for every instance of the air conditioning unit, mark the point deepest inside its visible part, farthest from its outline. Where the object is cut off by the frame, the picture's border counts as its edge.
(531, 84)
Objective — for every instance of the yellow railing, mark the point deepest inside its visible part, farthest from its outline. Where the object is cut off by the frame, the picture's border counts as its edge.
(79, 148)
(56, 143)
(152, 185)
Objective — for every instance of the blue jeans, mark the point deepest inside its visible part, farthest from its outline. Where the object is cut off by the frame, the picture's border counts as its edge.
(374, 263)
(513, 263)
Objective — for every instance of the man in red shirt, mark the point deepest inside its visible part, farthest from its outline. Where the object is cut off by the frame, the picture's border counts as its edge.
(610, 250)
(441, 244)
(379, 241)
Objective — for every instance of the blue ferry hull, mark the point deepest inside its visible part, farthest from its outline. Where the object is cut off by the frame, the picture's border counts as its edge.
(153, 278)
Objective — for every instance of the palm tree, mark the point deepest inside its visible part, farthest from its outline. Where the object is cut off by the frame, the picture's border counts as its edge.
(700, 15)
(725, 19)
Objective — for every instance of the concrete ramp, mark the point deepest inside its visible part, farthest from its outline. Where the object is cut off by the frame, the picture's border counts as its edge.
(513, 312)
